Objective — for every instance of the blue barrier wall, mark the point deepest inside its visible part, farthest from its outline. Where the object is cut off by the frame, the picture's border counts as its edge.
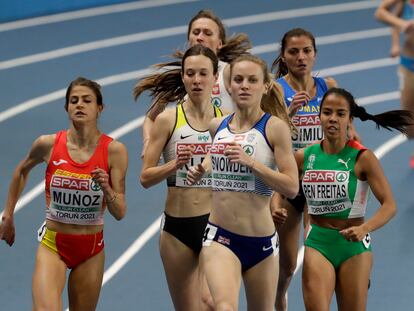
(11, 10)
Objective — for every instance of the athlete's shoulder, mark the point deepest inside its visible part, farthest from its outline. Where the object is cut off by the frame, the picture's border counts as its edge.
(46, 140)
(330, 82)
(167, 115)
(215, 124)
(356, 145)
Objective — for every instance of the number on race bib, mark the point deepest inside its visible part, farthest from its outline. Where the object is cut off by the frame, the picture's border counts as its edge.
(366, 240)
(206, 234)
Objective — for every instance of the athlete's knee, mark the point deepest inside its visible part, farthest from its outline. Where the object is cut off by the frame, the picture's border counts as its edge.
(45, 307)
(287, 268)
(207, 302)
(224, 306)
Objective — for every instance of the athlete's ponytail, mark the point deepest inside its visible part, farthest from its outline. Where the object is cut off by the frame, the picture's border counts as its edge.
(232, 47)
(394, 119)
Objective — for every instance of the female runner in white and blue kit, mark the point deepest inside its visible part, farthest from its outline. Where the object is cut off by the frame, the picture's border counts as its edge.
(251, 157)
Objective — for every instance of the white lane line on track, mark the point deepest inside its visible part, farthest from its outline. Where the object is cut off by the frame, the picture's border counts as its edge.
(132, 250)
(41, 100)
(34, 102)
(324, 40)
(103, 10)
(166, 32)
(365, 65)
(301, 12)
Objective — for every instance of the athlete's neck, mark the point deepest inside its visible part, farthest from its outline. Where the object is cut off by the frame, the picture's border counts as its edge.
(301, 83)
(198, 109)
(244, 119)
(333, 146)
(83, 136)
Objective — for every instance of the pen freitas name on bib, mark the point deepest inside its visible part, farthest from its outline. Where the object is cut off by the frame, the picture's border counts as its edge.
(326, 191)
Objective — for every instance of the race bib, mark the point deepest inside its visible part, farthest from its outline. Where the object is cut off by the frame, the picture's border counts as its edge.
(231, 176)
(199, 153)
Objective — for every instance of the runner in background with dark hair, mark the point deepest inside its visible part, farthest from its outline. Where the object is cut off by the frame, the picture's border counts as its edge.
(302, 93)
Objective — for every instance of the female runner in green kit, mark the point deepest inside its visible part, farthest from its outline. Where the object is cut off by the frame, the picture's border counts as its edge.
(337, 176)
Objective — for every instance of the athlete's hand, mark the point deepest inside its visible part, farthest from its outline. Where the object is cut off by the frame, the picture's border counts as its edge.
(279, 215)
(183, 157)
(102, 178)
(299, 100)
(395, 50)
(195, 173)
(236, 154)
(408, 27)
(7, 230)
(354, 234)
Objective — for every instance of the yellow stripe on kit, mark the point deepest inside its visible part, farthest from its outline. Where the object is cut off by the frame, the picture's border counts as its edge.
(49, 240)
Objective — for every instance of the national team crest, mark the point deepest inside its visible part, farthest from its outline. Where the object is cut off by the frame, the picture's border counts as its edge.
(311, 161)
(216, 101)
(249, 149)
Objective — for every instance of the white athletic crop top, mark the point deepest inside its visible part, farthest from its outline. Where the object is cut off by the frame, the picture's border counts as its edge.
(228, 176)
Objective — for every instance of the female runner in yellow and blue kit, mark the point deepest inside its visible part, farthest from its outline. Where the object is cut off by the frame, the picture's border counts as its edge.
(337, 174)
(181, 134)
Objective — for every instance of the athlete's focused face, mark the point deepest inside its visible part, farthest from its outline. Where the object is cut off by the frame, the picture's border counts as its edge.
(82, 105)
(206, 32)
(198, 78)
(335, 117)
(247, 83)
(299, 55)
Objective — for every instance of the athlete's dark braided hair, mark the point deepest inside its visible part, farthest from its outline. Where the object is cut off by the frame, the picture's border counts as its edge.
(394, 119)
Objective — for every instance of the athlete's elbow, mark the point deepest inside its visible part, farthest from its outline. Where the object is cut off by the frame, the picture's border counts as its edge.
(292, 192)
(393, 210)
(145, 181)
(120, 214)
(379, 15)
